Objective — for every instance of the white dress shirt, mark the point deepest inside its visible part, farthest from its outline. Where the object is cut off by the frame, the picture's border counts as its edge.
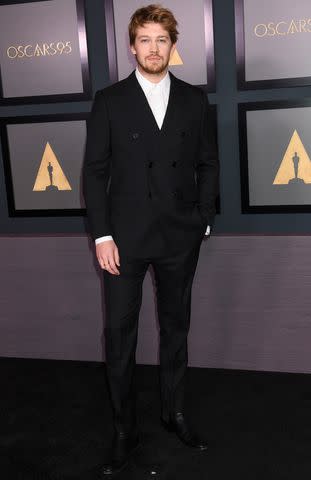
(157, 95)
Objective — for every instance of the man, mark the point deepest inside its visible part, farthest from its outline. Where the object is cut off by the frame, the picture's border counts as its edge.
(150, 182)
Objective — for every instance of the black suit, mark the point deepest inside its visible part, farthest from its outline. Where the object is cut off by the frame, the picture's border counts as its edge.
(154, 191)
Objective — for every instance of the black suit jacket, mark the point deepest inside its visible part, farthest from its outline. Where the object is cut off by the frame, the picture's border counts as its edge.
(137, 176)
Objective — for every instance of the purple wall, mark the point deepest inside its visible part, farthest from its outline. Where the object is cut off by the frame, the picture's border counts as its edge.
(251, 303)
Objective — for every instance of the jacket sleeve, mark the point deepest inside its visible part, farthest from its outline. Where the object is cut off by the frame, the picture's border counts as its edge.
(207, 164)
(96, 169)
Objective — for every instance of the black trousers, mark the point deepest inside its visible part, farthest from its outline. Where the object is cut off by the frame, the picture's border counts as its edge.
(123, 295)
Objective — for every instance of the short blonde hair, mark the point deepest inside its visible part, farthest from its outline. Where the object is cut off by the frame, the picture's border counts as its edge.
(153, 13)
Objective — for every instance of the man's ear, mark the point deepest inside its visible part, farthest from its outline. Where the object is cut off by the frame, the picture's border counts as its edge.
(133, 49)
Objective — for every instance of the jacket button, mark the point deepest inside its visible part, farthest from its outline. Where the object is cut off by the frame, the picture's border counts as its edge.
(150, 164)
(135, 136)
(174, 164)
(175, 193)
(149, 195)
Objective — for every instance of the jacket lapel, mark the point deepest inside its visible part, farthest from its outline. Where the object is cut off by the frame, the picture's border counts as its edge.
(139, 106)
(174, 107)
(142, 111)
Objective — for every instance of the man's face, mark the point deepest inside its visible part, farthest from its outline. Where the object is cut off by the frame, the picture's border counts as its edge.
(153, 48)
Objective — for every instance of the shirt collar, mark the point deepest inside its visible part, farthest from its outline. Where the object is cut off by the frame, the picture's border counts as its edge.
(148, 86)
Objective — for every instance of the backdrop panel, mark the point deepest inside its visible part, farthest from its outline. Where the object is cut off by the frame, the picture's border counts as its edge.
(275, 146)
(43, 54)
(43, 159)
(273, 43)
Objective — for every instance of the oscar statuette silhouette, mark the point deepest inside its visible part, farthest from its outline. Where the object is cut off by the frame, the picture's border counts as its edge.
(296, 180)
(51, 186)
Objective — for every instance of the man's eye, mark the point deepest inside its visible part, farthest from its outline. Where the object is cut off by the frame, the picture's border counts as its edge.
(162, 40)
(144, 40)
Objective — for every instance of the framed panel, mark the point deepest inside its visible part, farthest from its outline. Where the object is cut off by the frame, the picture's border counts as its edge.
(194, 61)
(273, 43)
(43, 53)
(43, 158)
(275, 154)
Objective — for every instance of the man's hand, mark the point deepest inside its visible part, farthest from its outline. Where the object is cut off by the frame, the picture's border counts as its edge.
(108, 256)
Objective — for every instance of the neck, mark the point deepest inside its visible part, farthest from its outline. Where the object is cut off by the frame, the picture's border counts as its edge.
(152, 77)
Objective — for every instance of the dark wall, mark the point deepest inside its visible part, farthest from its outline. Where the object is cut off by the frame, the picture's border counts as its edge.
(251, 294)
(227, 98)
(250, 305)
(95, 23)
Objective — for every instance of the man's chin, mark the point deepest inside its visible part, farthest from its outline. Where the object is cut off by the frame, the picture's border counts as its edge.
(154, 70)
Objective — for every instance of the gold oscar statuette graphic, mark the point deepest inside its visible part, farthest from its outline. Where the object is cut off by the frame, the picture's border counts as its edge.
(176, 59)
(295, 167)
(50, 175)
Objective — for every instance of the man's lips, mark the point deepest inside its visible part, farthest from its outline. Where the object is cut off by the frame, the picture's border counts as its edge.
(153, 58)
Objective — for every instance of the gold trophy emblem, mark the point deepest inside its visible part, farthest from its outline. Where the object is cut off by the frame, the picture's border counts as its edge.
(176, 59)
(296, 164)
(51, 176)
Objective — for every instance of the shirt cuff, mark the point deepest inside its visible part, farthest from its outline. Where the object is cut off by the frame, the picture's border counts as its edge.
(208, 230)
(103, 239)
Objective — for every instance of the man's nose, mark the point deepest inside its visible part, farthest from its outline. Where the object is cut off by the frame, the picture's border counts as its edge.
(154, 46)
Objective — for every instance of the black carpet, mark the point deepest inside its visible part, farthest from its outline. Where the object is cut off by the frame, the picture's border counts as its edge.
(56, 424)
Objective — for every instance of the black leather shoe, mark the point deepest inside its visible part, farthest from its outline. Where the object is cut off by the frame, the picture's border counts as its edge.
(124, 445)
(178, 425)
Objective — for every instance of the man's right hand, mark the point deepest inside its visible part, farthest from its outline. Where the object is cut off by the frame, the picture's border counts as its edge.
(108, 256)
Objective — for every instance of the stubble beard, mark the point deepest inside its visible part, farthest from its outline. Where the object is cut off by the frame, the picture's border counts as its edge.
(156, 69)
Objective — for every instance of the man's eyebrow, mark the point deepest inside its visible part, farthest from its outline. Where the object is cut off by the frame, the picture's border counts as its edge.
(148, 36)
